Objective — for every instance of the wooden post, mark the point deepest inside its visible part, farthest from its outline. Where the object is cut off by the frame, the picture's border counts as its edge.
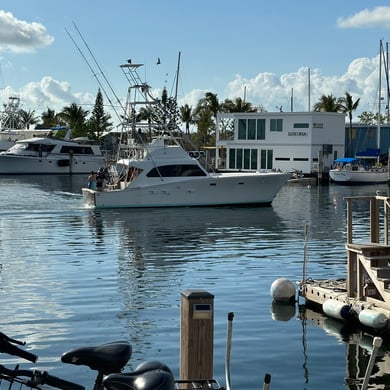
(196, 335)
(374, 220)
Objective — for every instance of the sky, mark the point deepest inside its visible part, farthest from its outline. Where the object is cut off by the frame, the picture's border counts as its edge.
(54, 53)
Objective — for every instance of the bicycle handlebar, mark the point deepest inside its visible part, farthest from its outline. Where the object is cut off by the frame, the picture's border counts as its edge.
(7, 346)
(37, 378)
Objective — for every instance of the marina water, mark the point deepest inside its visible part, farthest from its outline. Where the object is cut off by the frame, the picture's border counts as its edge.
(72, 276)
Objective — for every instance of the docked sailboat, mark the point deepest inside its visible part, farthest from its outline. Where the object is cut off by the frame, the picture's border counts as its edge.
(161, 173)
(366, 167)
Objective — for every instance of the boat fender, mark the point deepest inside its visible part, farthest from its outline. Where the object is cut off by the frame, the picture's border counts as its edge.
(336, 309)
(372, 318)
(283, 290)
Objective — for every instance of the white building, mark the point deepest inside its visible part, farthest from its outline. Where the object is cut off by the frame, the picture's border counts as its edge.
(279, 140)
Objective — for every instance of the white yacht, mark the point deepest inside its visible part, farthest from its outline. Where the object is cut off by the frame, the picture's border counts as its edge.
(158, 172)
(165, 175)
(49, 155)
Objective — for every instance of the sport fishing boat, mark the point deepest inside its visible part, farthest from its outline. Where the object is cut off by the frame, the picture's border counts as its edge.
(50, 155)
(162, 173)
(165, 175)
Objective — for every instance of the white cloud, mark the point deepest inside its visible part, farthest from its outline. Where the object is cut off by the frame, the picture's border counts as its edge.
(21, 36)
(48, 93)
(272, 91)
(378, 17)
(266, 89)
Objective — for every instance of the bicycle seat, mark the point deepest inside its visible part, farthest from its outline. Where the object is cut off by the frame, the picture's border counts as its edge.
(106, 358)
(151, 375)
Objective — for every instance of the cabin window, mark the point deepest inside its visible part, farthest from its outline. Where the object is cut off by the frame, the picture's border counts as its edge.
(76, 149)
(40, 148)
(176, 171)
(276, 125)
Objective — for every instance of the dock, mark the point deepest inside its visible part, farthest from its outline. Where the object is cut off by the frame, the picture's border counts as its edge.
(364, 295)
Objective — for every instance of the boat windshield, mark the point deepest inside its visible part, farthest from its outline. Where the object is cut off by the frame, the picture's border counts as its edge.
(17, 148)
(22, 147)
(177, 170)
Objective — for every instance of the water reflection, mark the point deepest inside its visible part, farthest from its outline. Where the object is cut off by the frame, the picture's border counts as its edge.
(358, 349)
(178, 230)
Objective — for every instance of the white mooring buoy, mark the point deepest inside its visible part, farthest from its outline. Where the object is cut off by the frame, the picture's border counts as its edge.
(283, 290)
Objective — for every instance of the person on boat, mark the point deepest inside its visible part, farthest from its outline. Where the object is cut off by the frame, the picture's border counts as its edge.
(100, 177)
(92, 181)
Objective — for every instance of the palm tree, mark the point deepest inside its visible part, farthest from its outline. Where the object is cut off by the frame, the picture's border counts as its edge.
(210, 103)
(186, 116)
(49, 118)
(347, 107)
(27, 118)
(75, 117)
(328, 104)
(237, 105)
(146, 114)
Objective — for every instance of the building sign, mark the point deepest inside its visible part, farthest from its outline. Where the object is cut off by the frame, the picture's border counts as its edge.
(297, 133)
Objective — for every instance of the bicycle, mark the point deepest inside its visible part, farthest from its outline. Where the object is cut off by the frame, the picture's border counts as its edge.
(106, 359)
(34, 378)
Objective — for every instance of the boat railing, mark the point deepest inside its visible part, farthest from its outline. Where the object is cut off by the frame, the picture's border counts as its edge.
(379, 215)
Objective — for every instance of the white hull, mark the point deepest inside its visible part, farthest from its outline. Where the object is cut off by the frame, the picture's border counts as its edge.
(19, 165)
(218, 190)
(344, 176)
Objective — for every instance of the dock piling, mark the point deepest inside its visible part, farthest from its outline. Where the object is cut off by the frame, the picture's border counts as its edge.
(196, 335)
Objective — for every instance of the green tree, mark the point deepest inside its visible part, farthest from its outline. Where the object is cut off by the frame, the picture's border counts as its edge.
(27, 118)
(347, 106)
(206, 129)
(147, 114)
(209, 103)
(49, 119)
(328, 103)
(186, 117)
(99, 121)
(368, 118)
(74, 117)
(237, 105)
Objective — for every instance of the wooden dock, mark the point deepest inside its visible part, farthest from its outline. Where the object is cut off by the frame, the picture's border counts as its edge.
(365, 293)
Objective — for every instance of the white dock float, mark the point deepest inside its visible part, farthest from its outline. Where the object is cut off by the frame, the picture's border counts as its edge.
(366, 290)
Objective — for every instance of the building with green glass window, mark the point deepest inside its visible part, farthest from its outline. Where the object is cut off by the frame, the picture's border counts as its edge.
(287, 141)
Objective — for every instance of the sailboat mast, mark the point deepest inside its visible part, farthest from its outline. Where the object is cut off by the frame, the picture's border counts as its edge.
(379, 96)
(177, 75)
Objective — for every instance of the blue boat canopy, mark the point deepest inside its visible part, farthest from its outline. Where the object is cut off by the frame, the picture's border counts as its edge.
(346, 160)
